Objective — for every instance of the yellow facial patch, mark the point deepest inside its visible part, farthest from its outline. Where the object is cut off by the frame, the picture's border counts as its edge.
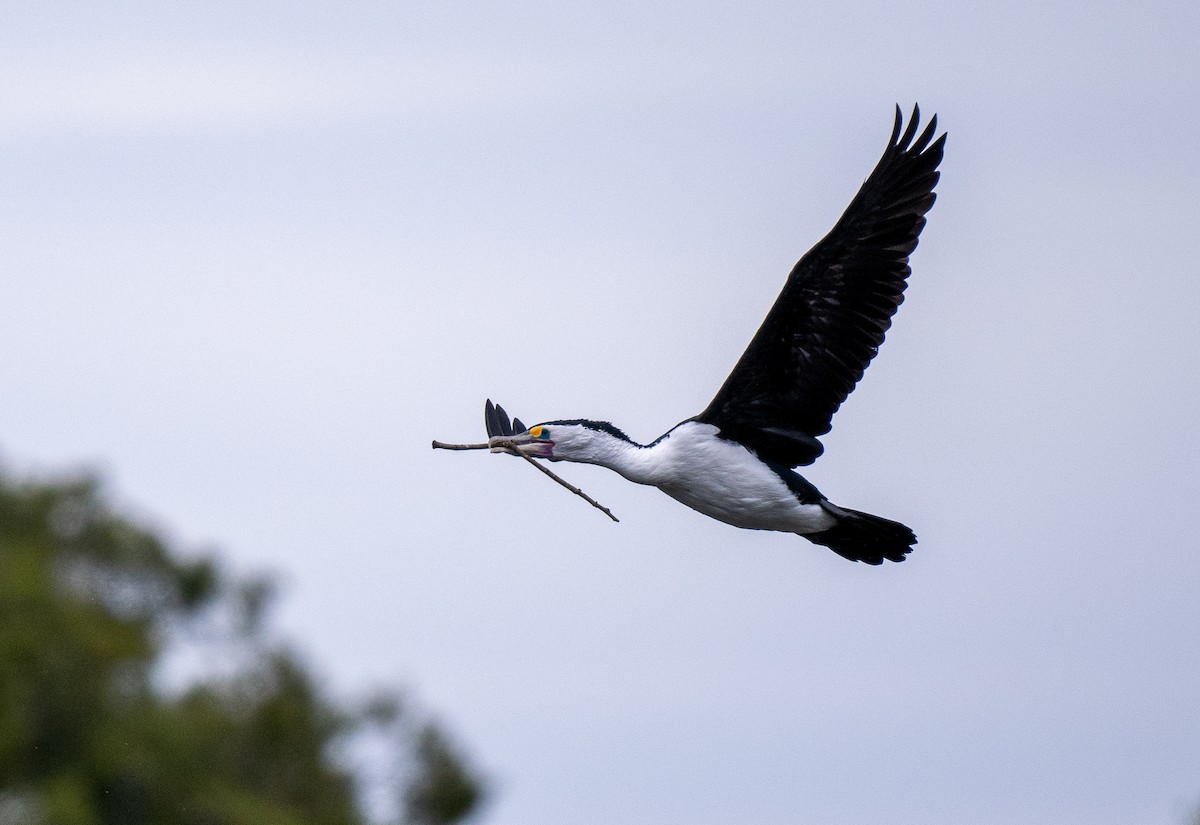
(536, 432)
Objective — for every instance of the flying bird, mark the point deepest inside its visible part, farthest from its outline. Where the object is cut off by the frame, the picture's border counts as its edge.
(735, 460)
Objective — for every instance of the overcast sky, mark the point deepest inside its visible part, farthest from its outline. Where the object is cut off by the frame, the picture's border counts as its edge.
(257, 255)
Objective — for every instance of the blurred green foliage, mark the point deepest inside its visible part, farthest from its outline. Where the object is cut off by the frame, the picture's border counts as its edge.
(91, 605)
(443, 790)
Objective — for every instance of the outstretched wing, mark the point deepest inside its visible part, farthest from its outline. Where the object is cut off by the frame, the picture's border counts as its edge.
(829, 320)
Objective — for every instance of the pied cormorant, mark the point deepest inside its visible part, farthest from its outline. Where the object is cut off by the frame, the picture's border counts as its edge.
(734, 460)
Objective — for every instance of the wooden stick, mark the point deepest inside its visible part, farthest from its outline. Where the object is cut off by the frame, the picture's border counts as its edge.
(511, 448)
(566, 484)
(438, 445)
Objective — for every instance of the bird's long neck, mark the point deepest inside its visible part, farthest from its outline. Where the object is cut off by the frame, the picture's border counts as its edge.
(632, 460)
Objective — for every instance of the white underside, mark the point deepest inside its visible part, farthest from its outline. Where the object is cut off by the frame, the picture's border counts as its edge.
(723, 480)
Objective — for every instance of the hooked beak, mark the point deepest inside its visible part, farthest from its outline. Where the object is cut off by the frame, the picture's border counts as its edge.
(522, 442)
(504, 436)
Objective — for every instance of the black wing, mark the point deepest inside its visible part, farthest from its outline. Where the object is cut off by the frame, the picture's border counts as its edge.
(497, 423)
(831, 316)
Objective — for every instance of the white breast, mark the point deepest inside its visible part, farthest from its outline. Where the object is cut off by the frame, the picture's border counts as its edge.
(725, 481)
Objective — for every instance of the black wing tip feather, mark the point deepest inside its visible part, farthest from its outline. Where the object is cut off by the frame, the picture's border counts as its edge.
(906, 143)
(911, 130)
(903, 181)
(496, 420)
(912, 156)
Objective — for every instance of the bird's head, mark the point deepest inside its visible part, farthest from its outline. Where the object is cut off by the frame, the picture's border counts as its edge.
(564, 440)
(539, 441)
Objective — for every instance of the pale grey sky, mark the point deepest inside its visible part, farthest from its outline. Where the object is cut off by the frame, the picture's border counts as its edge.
(258, 255)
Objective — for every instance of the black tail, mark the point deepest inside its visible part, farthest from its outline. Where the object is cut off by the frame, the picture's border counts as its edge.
(864, 537)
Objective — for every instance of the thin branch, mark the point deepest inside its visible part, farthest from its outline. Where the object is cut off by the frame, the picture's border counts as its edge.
(509, 447)
(439, 445)
(566, 484)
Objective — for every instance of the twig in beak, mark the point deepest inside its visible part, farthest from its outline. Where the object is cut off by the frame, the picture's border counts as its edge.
(566, 484)
(438, 445)
(510, 447)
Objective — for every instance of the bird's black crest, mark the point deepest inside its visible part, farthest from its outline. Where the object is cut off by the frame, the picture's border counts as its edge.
(601, 426)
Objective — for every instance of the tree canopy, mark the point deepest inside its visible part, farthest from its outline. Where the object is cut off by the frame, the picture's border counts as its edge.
(92, 603)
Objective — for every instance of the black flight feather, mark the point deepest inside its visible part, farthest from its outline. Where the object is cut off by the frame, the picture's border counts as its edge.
(831, 317)
(497, 423)
(496, 420)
